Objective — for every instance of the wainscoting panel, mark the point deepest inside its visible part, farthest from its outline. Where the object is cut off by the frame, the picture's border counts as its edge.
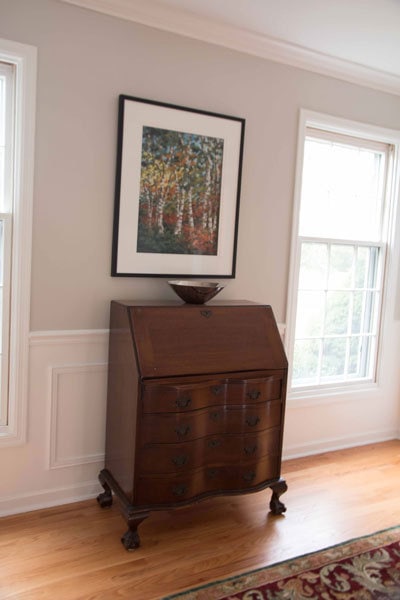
(64, 451)
(78, 415)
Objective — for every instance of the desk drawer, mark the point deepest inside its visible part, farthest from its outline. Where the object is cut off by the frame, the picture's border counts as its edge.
(226, 449)
(174, 489)
(174, 427)
(194, 396)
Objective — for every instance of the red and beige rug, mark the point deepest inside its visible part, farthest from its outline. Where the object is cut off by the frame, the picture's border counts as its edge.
(367, 568)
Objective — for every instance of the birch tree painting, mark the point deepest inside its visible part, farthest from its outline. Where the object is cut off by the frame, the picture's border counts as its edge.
(180, 192)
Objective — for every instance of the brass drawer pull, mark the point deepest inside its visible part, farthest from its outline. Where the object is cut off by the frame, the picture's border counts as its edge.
(217, 389)
(254, 394)
(249, 476)
(183, 430)
(179, 490)
(215, 416)
(183, 402)
(206, 313)
(213, 443)
(212, 473)
(250, 449)
(180, 460)
(252, 421)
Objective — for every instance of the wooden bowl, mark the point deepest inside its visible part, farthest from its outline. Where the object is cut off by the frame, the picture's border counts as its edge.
(196, 292)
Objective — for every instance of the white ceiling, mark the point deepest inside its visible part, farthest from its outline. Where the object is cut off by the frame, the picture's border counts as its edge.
(357, 40)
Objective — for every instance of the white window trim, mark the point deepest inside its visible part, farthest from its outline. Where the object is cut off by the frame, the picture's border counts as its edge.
(307, 119)
(24, 59)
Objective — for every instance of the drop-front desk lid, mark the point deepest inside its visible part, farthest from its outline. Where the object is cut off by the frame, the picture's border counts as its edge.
(187, 339)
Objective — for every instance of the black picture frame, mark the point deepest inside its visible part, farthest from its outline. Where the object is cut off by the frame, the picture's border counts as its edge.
(177, 191)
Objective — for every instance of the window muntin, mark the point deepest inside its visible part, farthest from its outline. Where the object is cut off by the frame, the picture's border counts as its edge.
(340, 260)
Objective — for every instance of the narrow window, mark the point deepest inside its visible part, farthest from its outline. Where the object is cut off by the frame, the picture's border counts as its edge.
(339, 260)
(6, 193)
(17, 124)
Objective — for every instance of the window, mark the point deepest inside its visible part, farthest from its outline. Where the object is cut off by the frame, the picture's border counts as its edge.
(338, 258)
(17, 110)
(6, 144)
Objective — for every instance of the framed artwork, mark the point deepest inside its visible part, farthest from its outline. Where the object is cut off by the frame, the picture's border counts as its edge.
(177, 191)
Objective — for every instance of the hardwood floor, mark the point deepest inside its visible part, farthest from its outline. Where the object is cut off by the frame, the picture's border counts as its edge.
(73, 552)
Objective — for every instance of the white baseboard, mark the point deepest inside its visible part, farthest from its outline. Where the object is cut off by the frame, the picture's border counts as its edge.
(28, 501)
(338, 443)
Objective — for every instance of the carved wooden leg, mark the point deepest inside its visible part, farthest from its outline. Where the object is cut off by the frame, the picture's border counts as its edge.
(131, 539)
(278, 488)
(104, 499)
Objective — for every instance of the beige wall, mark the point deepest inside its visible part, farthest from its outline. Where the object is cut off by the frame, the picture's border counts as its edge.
(85, 60)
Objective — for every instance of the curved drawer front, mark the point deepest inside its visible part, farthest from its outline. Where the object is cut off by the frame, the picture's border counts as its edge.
(247, 391)
(181, 398)
(175, 427)
(173, 489)
(226, 449)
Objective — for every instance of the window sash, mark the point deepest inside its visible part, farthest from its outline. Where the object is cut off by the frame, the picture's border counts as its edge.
(5, 291)
(372, 294)
(7, 76)
(7, 79)
(324, 210)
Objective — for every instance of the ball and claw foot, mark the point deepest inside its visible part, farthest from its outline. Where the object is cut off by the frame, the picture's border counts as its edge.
(131, 540)
(105, 499)
(276, 506)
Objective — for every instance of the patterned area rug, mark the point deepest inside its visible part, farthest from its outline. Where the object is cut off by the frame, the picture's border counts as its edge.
(367, 568)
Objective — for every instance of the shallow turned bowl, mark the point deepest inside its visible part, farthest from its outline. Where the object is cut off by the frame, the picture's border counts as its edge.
(196, 292)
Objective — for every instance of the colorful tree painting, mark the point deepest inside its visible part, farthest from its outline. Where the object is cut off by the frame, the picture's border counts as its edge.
(180, 192)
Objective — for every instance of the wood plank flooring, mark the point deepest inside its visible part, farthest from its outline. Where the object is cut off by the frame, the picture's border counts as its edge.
(73, 552)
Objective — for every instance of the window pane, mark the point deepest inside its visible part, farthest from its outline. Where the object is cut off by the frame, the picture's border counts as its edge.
(362, 261)
(333, 358)
(370, 312)
(310, 310)
(341, 191)
(306, 360)
(358, 304)
(341, 267)
(354, 357)
(313, 266)
(337, 312)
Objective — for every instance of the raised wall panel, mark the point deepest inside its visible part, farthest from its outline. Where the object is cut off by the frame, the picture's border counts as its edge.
(78, 414)
(64, 451)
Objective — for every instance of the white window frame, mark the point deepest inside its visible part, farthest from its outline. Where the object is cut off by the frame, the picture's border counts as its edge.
(310, 119)
(24, 60)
